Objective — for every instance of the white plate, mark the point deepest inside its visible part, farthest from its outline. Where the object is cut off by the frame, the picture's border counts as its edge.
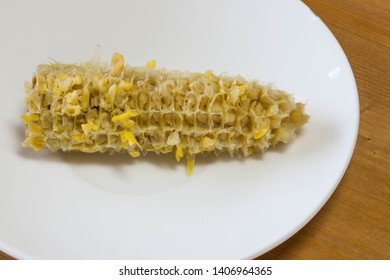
(67, 206)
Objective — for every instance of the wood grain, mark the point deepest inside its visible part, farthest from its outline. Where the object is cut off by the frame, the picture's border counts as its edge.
(4, 256)
(355, 222)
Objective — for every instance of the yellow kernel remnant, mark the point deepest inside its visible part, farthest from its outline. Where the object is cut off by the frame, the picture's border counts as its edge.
(282, 134)
(101, 82)
(127, 136)
(179, 153)
(88, 149)
(57, 91)
(134, 154)
(190, 164)
(209, 75)
(207, 142)
(173, 139)
(57, 124)
(263, 129)
(78, 80)
(117, 64)
(86, 128)
(72, 97)
(62, 77)
(50, 81)
(76, 137)
(125, 118)
(151, 64)
(108, 101)
(30, 118)
(164, 150)
(243, 89)
(85, 99)
(90, 127)
(35, 128)
(234, 94)
(125, 85)
(36, 143)
(79, 137)
(297, 116)
(72, 110)
(41, 84)
(67, 84)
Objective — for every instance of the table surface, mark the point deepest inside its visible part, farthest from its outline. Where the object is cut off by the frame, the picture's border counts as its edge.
(355, 222)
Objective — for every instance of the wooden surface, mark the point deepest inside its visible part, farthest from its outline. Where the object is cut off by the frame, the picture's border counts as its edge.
(355, 222)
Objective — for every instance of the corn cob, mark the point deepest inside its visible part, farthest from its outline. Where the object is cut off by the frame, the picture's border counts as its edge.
(95, 107)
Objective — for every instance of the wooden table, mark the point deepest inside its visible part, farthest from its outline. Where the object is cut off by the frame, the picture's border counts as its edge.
(355, 222)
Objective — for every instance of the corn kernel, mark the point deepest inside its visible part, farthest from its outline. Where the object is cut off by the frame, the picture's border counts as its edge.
(151, 64)
(125, 85)
(62, 77)
(67, 84)
(36, 143)
(135, 154)
(78, 80)
(72, 110)
(72, 97)
(243, 89)
(30, 118)
(36, 129)
(297, 116)
(79, 138)
(179, 153)
(209, 75)
(57, 91)
(41, 84)
(234, 94)
(90, 127)
(57, 124)
(87, 128)
(109, 98)
(101, 83)
(262, 129)
(125, 118)
(282, 134)
(173, 139)
(190, 164)
(85, 99)
(117, 64)
(127, 136)
(207, 142)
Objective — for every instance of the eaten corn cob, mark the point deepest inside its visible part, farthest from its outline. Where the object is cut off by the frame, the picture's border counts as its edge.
(95, 107)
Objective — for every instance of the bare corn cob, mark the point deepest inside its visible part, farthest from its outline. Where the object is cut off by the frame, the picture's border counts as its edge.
(94, 107)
